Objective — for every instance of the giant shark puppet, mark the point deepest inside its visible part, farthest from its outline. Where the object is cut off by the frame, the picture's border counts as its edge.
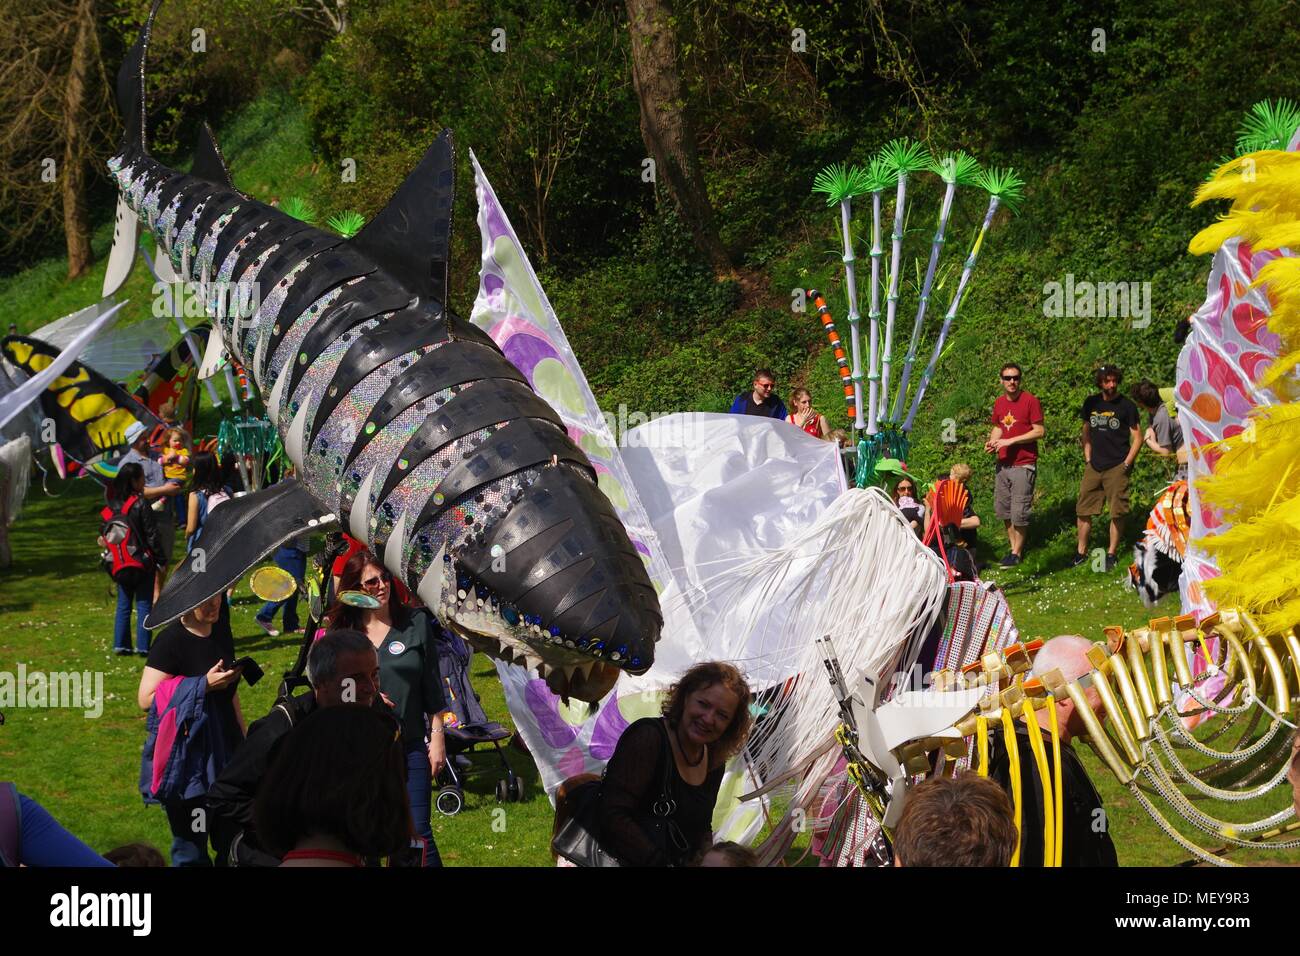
(407, 425)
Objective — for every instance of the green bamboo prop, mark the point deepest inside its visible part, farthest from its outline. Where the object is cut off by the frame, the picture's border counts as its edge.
(1004, 188)
(840, 184)
(900, 157)
(878, 179)
(955, 169)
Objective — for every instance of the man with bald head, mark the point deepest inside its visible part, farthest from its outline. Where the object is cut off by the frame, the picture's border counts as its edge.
(1086, 839)
(343, 668)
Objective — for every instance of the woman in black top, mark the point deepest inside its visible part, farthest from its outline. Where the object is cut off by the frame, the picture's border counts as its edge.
(408, 677)
(705, 721)
(134, 585)
(199, 644)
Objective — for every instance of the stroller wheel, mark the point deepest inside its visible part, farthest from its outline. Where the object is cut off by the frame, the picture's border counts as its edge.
(515, 789)
(503, 791)
(449, 801)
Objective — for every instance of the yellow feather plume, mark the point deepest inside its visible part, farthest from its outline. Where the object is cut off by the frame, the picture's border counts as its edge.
(1256, 483)
(1279, 236)
(1269, 175)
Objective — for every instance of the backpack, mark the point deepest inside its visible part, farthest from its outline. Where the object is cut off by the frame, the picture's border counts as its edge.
(125, 558)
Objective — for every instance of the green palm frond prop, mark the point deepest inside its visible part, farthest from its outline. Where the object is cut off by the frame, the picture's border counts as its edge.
(904, 155)
(880, 175)
(299, 209)
(347, 224)
(839, 182)
(959, 168)
(1270, 124)
(1003, 185)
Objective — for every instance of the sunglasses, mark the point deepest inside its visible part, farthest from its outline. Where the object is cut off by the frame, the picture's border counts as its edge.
(1010, 378)
(767, 384)
(371, 583)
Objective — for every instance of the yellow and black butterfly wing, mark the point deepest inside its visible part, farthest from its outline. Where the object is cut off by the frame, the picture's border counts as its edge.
(90, 413)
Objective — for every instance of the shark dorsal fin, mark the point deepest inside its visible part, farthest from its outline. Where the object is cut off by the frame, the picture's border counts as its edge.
(130, 87)
(411, 236)
(209, 164)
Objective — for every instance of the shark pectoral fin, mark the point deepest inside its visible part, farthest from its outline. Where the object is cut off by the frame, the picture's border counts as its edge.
(126, 230)
(359, 517)
(411, 236)
(235, 537)
(212, 355)
(209, 164)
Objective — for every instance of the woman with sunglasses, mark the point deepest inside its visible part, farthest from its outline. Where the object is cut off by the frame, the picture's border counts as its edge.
(408, 677)
(907, 502)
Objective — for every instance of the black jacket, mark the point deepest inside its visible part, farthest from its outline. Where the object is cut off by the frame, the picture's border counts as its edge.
(230, 798)
(1087, 839)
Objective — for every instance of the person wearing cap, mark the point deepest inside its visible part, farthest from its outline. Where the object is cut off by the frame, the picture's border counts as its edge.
(157, 490)
(1111, 440)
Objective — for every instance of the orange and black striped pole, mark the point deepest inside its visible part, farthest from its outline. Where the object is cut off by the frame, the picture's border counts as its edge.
(828, 323)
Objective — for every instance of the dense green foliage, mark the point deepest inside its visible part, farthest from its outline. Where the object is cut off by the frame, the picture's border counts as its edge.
(1111, 114)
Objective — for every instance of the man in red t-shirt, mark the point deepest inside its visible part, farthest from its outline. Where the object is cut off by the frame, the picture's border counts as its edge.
(1017, 426)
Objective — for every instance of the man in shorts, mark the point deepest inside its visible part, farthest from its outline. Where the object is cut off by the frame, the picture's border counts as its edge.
(1017, 426)
(1111, 440)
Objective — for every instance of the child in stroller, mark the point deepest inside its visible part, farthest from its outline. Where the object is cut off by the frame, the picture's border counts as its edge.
(467, 726)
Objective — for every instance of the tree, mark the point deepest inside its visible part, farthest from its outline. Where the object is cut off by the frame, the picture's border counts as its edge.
(666, 125)
(54, 111)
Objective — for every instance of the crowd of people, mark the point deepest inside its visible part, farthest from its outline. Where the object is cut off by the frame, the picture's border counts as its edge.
(370, 729)
(1110, 439)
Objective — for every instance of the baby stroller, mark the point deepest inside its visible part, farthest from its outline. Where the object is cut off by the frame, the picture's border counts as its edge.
(468, 728)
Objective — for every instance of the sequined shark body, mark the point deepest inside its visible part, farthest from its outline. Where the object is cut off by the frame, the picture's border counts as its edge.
(404, 422)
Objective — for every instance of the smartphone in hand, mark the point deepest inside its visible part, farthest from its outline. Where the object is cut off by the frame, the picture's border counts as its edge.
(251, 672)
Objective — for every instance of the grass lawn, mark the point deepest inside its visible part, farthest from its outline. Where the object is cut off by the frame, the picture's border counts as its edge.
(56, 614)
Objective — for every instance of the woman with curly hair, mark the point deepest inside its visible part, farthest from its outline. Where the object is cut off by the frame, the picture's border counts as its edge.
(656, 804)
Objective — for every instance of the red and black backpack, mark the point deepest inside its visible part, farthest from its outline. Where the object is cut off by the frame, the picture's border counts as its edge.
(125, 558)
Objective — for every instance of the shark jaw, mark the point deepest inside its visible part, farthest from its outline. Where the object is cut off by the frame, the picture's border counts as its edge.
(572, 668)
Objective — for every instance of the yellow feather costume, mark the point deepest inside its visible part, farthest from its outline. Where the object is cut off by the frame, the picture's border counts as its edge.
(1256, 482)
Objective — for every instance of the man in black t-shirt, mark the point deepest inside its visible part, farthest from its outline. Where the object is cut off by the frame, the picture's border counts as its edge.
(1111, 439)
